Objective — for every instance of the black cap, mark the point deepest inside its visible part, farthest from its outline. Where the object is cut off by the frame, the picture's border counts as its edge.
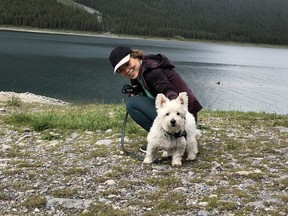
(119, 56)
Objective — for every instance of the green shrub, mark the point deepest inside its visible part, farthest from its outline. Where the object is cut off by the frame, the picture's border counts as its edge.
(14, 101)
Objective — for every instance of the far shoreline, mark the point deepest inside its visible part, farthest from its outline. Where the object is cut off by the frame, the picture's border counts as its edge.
(53, 31)
(81, 33)
(110, 35)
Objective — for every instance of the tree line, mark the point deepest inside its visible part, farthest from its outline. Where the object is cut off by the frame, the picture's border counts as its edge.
(253, 21)
(47, 14)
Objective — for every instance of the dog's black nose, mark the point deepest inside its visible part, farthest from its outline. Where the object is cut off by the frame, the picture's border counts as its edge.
(173, 122)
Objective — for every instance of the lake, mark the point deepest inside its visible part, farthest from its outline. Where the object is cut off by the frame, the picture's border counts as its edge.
(76, 69)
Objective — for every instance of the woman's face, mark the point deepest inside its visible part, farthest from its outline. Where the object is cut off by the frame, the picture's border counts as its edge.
(130, 69)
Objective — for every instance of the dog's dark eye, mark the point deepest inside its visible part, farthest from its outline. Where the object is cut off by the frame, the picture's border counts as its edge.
(167, 114)
(178, 113)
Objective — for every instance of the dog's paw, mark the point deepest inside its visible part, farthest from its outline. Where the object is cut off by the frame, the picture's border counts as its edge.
(176, 163)
(191, 157)
(147, 160)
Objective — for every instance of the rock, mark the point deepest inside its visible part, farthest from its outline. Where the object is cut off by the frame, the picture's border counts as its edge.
(257, 205)
(111, 196)
(203, 204)
(74, 135)
(243, 173)
(36, 210)
(67, 148)
(6, 147)
(51, 143)
(2, 110)
(126, 140)
(85, 212)
(69, 203)
(191, 202)
(4, 162)
(116, 135)
(108, 131)
(216, 166)
(106, 142)
(203, 213)
(284, 177)
(181, 189)
(110, 182)
(246, 173)
(281, 129)
(27, 130)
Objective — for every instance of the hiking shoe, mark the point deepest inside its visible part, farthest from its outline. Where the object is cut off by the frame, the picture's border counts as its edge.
(143, 149)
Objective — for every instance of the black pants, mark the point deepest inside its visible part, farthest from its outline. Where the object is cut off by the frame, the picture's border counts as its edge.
(142, 110)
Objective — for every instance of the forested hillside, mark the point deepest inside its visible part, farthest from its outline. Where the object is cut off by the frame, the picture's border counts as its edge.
(254, 21)
(47, 14)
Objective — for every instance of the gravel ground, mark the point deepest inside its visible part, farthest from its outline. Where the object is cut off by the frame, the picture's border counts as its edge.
(241, 170)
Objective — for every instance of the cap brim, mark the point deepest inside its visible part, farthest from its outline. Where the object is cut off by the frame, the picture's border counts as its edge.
(123, 61)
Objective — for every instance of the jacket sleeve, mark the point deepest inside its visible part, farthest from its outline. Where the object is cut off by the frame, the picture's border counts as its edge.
(157, 82)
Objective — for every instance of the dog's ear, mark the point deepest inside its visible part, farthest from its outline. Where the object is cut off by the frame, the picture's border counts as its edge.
(183, 98)
(160, 100)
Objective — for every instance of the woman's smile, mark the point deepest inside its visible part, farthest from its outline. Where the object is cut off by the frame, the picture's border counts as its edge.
(130, 69)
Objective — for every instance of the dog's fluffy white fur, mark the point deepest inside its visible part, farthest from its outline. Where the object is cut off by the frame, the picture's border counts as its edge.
(173, 130)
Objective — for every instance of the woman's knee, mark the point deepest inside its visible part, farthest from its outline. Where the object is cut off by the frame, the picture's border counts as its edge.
(141, 105)
(138, 102)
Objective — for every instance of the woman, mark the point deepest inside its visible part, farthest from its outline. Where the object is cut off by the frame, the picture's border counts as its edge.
(149, 75)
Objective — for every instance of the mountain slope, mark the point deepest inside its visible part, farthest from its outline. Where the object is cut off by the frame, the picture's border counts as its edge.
(253, 21)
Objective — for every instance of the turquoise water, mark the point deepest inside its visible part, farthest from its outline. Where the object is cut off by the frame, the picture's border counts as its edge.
(76, 69)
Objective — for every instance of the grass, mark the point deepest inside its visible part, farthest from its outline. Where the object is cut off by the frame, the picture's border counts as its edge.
(64, 193)
(33, 202)
(75, 171)
(73, 117)
(231, 141)
(14, 101)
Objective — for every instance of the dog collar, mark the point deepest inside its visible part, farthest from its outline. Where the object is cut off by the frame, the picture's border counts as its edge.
(177, 135)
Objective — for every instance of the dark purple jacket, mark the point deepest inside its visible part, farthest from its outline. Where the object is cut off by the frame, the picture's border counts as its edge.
(158, 76)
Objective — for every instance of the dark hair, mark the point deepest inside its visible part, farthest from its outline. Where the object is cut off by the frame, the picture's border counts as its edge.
(137, 54)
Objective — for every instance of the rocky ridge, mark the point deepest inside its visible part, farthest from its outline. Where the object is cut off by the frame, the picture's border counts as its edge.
(28, 97)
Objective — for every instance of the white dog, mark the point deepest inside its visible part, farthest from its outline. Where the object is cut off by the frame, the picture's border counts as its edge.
(173, 130)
